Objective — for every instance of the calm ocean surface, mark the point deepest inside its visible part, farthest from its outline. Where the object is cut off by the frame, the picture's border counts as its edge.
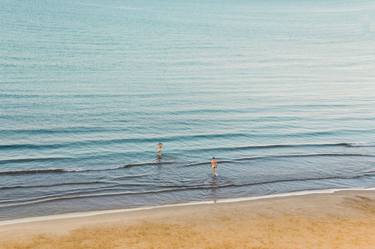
(281, 92)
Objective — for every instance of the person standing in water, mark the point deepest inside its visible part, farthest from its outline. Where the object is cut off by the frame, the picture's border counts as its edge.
(213, 166)
(159, 150)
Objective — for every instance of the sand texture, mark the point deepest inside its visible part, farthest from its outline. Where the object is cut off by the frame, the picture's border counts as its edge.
(345, 219)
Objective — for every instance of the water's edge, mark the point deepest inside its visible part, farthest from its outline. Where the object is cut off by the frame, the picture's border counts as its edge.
(230, 200)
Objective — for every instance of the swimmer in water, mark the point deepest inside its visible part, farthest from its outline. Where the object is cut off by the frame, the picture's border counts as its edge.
(213, 166)
(159, 150)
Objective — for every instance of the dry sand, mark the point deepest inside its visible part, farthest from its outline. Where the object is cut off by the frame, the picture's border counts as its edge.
(345, 219)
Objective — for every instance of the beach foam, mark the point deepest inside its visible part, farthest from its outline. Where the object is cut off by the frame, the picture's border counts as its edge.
(230, 200)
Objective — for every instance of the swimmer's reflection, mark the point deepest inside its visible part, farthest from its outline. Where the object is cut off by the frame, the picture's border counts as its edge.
(214, 185)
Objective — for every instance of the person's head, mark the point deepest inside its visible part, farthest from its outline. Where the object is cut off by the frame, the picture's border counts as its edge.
(213, 157)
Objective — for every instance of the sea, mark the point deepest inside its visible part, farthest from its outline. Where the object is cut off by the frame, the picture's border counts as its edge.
(281, 92)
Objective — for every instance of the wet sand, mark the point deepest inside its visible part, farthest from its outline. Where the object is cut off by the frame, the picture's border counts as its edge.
(345, 219)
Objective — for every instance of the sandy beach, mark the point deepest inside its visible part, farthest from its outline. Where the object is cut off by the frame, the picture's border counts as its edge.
(344, 219)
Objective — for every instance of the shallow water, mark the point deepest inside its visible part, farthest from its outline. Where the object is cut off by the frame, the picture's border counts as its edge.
(282, 93)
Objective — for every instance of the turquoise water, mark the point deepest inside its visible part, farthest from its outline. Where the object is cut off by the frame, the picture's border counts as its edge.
(281, 92)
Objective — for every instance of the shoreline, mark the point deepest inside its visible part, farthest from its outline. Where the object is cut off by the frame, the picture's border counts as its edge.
(331, 218)
(183, 204)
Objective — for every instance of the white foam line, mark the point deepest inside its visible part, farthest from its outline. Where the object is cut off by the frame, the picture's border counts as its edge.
(232, 200)
(297, 193)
